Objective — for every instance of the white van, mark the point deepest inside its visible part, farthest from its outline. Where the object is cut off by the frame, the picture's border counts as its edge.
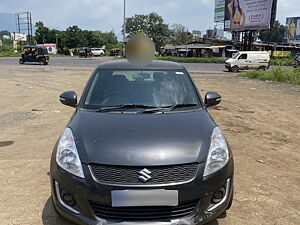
(248, 60)
(97, 52)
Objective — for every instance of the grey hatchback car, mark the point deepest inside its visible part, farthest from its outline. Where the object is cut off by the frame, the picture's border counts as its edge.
(141, 148)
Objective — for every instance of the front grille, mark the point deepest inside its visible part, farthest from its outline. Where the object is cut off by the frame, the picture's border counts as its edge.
(143, 213)
(127, 175)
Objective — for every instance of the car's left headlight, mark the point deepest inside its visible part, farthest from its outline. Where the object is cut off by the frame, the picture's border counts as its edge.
(218, 155)
(67, 155)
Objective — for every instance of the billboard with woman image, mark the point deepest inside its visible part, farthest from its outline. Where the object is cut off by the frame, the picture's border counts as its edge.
(241, 15)
(293, 30)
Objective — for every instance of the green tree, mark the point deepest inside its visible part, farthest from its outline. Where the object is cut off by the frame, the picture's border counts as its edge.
(277, 33)
(74, 37)
(180, 35)
(41, 33)
(4, 32)
(109, 39)
(151, 25)
(5, 42)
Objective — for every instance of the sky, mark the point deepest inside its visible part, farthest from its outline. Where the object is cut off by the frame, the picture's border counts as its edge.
(107, 15)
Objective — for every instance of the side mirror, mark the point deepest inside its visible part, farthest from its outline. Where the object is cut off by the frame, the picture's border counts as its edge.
(212, 99)
(68, 98)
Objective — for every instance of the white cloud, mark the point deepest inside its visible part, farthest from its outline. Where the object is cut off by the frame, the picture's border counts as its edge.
(172, 4)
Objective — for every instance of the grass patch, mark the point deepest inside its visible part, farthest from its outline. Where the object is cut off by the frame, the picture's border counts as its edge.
(192, 60)
(282, 62)
(9, 54)
(278, 75)
(275, 62)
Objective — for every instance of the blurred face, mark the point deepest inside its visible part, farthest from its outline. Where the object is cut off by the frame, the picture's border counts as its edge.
(140, 49)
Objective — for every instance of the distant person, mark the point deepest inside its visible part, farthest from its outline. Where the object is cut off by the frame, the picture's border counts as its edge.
(292, 31)
(238, 17)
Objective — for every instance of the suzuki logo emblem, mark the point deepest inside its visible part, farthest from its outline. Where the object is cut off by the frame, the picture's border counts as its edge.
(144, 175)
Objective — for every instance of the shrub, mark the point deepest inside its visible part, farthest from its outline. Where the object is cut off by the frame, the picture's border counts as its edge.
(282, 61)
(278, 75)
(9, 54)
(192, 60)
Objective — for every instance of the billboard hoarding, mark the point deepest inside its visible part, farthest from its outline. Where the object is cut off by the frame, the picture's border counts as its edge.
(219, 10)
(18, 37)
(50, 47)
(293, 30)
(242, 15)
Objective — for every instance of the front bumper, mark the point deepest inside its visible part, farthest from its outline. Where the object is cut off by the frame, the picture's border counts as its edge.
(87, 190)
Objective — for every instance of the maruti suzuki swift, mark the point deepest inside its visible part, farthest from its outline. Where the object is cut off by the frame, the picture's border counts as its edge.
(141, 148)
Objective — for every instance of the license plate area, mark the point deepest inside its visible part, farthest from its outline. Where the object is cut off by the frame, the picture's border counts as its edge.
(134, 198)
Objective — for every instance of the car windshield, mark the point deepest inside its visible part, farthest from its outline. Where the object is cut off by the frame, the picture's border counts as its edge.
(152, 88)
(236, 56)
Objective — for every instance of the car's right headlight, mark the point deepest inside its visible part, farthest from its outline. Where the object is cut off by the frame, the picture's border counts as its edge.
(218, 155)
(67, 155)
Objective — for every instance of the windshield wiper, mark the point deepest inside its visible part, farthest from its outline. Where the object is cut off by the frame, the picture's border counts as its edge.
(125, 106)
(168, 108)
(176, 106)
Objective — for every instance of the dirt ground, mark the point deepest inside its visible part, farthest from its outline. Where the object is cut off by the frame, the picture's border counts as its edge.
(261, 120)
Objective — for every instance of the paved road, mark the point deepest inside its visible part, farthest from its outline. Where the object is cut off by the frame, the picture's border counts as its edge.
(91, 63)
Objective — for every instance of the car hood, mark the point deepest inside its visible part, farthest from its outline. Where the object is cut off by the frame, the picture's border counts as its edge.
(142, 139)
(229, 60)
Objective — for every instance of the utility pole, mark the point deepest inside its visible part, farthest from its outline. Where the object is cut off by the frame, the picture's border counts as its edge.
(124, 28)
(187, 42)
(56, 37)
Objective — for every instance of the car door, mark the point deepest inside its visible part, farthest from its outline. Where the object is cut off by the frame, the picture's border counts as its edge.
(253, 61)
(243, 61)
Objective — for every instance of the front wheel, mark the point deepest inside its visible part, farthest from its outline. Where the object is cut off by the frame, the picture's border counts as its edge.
(235, 69)
(21, 61)
(263, 68)
(43, 62)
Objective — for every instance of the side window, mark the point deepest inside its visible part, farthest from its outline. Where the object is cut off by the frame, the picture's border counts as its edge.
(243, 56)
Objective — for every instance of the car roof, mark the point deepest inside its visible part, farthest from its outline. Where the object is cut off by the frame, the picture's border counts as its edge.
(155, 64)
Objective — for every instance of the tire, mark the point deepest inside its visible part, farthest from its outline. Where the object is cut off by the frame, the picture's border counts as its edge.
(223, 215)
(21, 61)
(101, 55)
(230, 202)
(263, 68)
(42, 62)
(53, 205)
(235, 69)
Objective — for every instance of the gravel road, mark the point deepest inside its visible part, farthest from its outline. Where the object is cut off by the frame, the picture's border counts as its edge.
(260, 120)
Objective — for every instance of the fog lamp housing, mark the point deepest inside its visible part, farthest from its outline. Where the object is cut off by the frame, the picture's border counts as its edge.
(218, 195)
